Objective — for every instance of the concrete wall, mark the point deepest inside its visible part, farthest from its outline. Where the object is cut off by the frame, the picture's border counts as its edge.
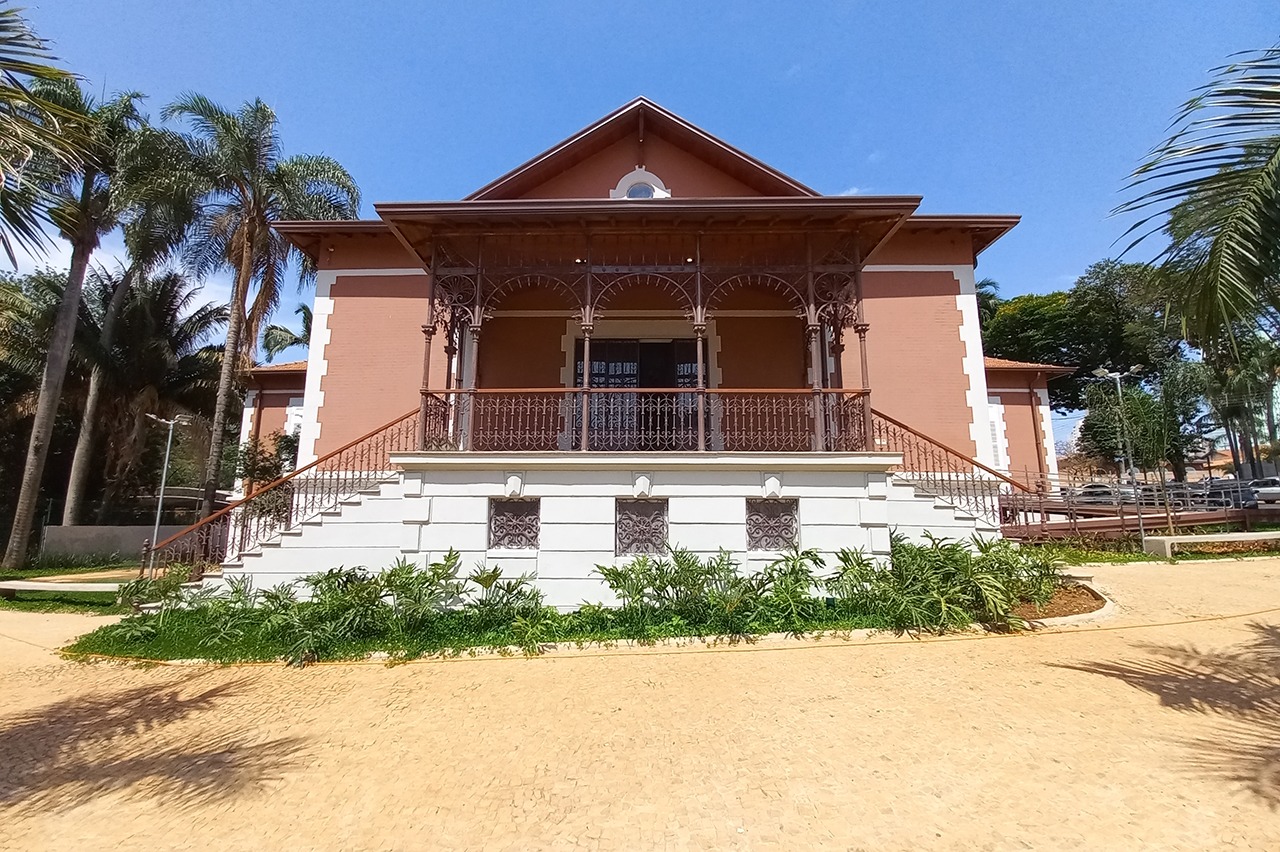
(82, 541)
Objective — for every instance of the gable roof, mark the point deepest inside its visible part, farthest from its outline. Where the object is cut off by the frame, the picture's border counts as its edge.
(639, 117)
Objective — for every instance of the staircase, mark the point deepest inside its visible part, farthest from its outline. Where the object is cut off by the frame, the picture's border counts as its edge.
(933, 468)
(286, 506)
(935, 489)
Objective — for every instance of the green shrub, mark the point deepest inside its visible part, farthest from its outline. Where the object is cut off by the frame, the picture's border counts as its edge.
(410, 610)
(945, 585)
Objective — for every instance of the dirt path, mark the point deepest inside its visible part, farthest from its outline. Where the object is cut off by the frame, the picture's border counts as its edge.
(1107, 736)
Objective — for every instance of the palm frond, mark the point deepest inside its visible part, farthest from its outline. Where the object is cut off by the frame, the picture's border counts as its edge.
(1219, 173)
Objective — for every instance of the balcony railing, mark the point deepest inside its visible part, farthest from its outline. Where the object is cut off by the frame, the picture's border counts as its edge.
(646, 420)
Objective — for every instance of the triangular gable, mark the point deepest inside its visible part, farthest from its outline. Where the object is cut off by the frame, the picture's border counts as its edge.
(687, 160)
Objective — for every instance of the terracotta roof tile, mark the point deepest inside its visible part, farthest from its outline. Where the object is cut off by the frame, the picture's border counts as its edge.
(1005, 364)
(288, 367)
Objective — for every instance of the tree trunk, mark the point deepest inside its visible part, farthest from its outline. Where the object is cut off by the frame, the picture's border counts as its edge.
(226, 381)
(1273, 447)
(55, 373)
(82, 460)
(1272, 437)
(1235, 449)
(1248, 443)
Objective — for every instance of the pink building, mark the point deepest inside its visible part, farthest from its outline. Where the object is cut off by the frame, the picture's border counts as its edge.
(641, 336)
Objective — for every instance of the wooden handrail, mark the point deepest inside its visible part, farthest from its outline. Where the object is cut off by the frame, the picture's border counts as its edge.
(278, 482)
(797, 391)
(997, 474)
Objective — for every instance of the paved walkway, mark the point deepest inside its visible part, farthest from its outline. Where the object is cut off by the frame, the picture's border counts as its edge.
(1156, 737)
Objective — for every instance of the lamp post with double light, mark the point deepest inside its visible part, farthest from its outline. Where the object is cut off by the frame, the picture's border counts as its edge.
(181, 419)
(1126, 457)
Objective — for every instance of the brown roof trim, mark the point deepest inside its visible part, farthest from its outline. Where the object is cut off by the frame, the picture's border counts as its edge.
(990, 363)
(308, 236)
(649, 116)
(984, 229)
(546, 210)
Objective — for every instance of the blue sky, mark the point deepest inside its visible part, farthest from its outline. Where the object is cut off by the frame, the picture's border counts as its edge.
(997, 107)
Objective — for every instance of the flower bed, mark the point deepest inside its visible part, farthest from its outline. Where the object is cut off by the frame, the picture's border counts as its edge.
(409, 611)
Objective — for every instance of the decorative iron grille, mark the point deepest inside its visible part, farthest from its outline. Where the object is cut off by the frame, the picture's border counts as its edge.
(514, 524)
(641, 527)
(772, 524)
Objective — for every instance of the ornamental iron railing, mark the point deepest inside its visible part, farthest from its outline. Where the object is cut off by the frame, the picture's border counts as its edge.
(597, 420)
(647, 420)
(274, 507)
(934, 468)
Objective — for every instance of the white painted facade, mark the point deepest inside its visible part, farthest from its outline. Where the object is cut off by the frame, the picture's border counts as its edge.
(441, 501)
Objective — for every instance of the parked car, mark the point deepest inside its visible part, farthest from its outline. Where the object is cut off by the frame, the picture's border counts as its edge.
(1103, 494)
(1179, 495)
(1231, 493)
(1268, 490)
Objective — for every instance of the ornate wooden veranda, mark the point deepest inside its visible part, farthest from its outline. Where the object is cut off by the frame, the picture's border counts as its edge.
(810, 251)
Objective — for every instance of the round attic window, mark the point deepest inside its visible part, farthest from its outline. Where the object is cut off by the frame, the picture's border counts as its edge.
(640, 183)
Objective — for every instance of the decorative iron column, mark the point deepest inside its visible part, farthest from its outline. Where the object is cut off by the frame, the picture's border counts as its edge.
(471, 356)
(584, 437)
(700, 335)
(860, 326)
(813, 329)
(428, 334)
(588, 325)
(469, 365)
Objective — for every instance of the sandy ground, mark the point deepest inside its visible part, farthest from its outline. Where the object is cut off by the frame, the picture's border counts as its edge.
(113, 574)
(1141, 732)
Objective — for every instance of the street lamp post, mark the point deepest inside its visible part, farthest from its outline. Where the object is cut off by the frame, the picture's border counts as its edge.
(1125, 456)
(164, 478)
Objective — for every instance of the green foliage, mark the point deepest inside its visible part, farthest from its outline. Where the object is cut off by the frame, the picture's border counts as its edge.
(411, 610)
(1163, 424)
(91, 603)
(260, 463)
(1217, 180)
(278, 338)
(1113, 316)
(68, 563)
(944, 585)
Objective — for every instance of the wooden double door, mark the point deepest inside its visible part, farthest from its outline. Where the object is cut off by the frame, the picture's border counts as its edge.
(637, 403)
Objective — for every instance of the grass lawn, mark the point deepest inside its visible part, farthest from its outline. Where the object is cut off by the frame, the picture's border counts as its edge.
(92, 603)
(57, 564)
(1083, 554)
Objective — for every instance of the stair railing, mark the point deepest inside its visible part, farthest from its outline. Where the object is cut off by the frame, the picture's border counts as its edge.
(286, 502)
(934, 468)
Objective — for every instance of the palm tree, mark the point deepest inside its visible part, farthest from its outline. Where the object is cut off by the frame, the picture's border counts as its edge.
(161, 363)
(1217, 180)
(988, 293)
(235, 160)
(83, 210)
(278, 338)
(154, 227)
(34, 133)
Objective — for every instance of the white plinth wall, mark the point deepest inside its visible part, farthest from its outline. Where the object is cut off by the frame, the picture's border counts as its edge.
(442, 501)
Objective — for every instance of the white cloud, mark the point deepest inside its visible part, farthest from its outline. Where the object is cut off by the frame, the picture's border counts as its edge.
(853, 190)
(875, 156)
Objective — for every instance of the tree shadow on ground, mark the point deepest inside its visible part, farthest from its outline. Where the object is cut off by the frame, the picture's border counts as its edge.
(1240, 685)
(160, 741)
